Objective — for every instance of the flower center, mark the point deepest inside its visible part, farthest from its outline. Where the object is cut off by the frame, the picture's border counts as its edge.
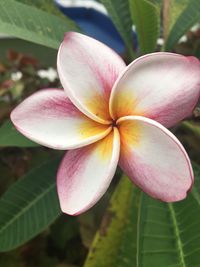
(114, 124)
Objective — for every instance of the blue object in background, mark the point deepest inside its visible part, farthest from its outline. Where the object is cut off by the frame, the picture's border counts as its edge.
(95, 24)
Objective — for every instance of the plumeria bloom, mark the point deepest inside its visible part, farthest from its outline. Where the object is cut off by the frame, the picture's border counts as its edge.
(108, 114)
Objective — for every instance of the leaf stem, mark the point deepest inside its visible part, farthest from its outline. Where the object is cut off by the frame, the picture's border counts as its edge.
(177, 234)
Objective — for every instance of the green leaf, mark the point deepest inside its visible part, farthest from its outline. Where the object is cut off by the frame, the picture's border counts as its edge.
(31, 24)
(65, 229)
(146, 17)
(45, 5)
(138, 230)
(193, 127)
(189, 16)
(115, 243)
(121, 17)
(171, 11)
(168, 233)
(156, 2)
(29, 206)
(9, 136)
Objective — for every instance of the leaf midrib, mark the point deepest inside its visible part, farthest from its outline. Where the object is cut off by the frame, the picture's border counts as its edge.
(23, 210)
(179, 243)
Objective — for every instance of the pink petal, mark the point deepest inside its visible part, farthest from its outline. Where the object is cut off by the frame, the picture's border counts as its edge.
(85, 174)
(161, 86)
(49, 118)
(154, 159)
(88, 70)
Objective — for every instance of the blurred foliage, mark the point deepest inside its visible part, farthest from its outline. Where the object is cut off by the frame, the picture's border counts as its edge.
(9, 136)
(45, 5)
(115, 242)
(17, 19)
(46, 56)
(146, 17)
(120, 14)
(171, 11)
(191, 46)
(187, 18)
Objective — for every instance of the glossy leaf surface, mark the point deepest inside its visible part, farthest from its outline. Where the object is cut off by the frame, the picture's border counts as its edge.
(29, 206)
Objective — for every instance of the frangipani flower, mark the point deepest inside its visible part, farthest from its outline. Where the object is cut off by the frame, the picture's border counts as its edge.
(110, 113)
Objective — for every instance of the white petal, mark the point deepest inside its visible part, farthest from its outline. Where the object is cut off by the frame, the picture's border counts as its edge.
(88, 70)
(49, 118)
(161, 86)
(154, 159)
(85, 174)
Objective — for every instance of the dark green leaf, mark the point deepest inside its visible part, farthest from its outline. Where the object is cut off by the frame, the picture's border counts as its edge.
(168, 233)
(121, 17)
(189, 16)
(140, 231)
(115, 243)
(29, 206)
(9, 136)
(31, 24)
(146, 17)
(65, 229)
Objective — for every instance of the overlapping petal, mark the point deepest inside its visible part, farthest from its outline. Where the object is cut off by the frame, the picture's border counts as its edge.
(88, 70)
(161, 86)
(85, 174)
(49, 118)
(154, 159)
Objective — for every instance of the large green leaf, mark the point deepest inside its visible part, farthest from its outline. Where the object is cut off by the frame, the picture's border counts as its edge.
(115, 243)
(189, 16)
(140, 231)
(9, 136)
(45, 5)
(146, 17)
(169, 233)
(29, 206)
(121, 17)
(31, 24)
